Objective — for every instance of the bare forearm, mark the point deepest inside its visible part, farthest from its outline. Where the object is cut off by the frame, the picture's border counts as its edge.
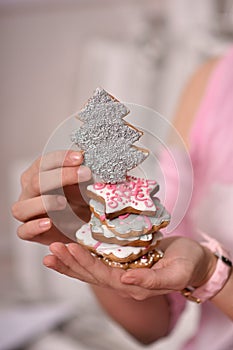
(146, 320)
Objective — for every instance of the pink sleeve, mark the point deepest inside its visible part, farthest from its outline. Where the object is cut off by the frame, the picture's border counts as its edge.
(211, 134)
(209, 146)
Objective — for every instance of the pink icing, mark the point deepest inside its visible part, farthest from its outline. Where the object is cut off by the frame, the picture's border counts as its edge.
(98, 186)
(148, 222)
(97, 245)
(105, 248)
(122, 217)
(133, 192)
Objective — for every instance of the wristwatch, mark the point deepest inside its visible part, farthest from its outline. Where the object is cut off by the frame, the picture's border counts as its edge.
(218, 279)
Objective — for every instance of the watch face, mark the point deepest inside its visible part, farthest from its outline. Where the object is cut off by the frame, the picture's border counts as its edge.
(226, 261)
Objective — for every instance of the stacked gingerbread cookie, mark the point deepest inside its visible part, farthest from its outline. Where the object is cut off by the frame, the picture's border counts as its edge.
(126, 215)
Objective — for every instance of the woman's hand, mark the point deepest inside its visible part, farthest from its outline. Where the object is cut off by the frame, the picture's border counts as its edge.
(75, 261)
(49, 185)
(185, 262)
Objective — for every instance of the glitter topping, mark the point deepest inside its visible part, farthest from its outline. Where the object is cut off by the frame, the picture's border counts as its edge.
(107, 139)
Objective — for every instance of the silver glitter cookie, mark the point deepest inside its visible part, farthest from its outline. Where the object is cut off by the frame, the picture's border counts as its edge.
(103, 131)
(107, 139)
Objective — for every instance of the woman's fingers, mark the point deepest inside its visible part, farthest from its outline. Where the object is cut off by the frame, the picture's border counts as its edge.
(52, 179)
(49, 161)
(59, 159)
(56, 159)
(32, 207)
(75, 261)
(88, 268)
(31, 229)
(41, 230)
(52, 262)
(146, 278)
(106, 276)
(90, 264)
(94, 266)
(57, 178)
(67, 259)
(163, 277)
(33, 179)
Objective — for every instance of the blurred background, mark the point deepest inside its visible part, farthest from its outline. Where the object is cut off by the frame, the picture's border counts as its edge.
(54, 53)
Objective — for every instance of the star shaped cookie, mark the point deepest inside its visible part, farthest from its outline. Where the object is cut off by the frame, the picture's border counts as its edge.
(131, 196)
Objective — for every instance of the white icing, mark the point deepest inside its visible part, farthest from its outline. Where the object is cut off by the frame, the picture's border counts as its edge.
(98, 227)
(134, 193)
(132, 222)
(84, 235)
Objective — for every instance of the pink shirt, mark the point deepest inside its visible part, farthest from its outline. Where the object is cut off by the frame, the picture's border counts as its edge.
(211, 206)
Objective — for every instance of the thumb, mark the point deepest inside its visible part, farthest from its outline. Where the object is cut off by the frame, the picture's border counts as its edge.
(156, 279)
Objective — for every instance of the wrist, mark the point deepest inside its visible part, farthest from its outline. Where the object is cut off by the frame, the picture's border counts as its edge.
(206, 268)
(215, 278)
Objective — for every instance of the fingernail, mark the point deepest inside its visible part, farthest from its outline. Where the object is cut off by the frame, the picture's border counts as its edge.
(76, 157)
(84, 174)
(44, 223)
(61, 200)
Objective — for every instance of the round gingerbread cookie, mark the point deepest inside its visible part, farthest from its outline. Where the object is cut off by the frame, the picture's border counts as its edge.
(145, 261)
(102, 233)
(113, 252)
(130, 225)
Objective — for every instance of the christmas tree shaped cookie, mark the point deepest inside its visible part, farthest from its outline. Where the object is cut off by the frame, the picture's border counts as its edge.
(126, 217)
(107, 139)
